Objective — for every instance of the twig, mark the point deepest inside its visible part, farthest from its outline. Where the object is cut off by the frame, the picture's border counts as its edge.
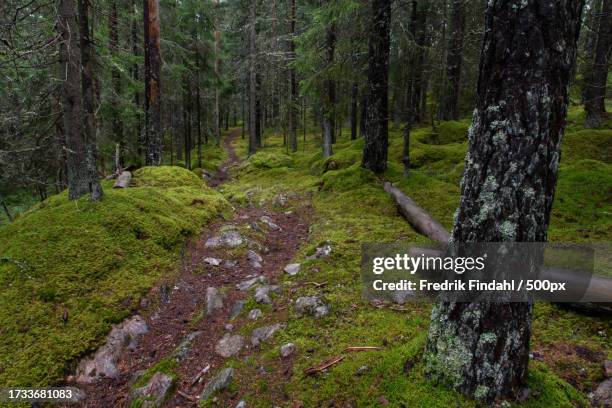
(323, 365)
(361, 348)
(200, 374)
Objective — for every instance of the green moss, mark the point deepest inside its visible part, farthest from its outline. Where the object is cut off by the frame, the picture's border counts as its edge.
(165, 365)
(92, 262)
(448, 132)
(165, 176)
(266, 160)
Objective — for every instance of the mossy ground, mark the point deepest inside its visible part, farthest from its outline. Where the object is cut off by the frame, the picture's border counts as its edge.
(70, 269)
(351, 208)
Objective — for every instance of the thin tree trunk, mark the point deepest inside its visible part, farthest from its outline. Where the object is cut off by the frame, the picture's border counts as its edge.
(597, 76)
(187, 119)
(217, 75)
(449, 106)
(252, 80)
(117, 123)
(5, 208)
(480, 348)
(138, 137)
(293, 108)
(330, 91)
(354, 96)
(153, 134)
(377, 113)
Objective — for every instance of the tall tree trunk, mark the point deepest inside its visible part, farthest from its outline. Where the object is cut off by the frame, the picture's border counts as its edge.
(153, 133)
(377, 113)
(217, 79)
(481, 349)
(89, 109)
(117, 123)
(72, 106)
(260, 112)
(187, 119)
(354, 96)
(252, 79)
(330, 93)
(363, 113)
(293, 108)
(597, 76)
(449, 104)
(138, 137)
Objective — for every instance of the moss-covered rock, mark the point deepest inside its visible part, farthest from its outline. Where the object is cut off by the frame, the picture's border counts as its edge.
(268, 160)
(165, 177)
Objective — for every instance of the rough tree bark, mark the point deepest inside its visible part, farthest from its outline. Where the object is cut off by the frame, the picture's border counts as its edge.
(330, 93)
(449, 103)
(252, 79)
(354, 96)
(153, 134)
(187, 119)
(596, 78)
(377, 113)
(217, 78)
(70, 66)
(140, 142)
(293, 108)
(89, 109)
(527, 59)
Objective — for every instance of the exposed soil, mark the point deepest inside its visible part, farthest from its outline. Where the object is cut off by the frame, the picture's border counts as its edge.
(184, 313)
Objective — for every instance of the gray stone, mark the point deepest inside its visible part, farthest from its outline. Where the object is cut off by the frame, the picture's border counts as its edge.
(237, 308)
(262, 293)
(321, 252)
(311, 305)
(156, 391)
(255, 314)
(229, 327)
(292, 269)
(602, 396)
(262, 334)
(254, 259)
(214, 300)
(212, 261)
(103, 362)
(230, 263)
(229, 345)
(287, 349)
(181, 351)
(402, 296)
(227, 239)
(249, 283)
(241, 404)
(218, 383)
(269, 222)
(608, 368)
(362, 370)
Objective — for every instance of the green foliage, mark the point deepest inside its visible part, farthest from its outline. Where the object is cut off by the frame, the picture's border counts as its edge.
(90, 263)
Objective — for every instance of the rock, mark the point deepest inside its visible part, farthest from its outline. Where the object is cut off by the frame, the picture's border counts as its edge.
(362, 370)
(262, 293)
(164, 294)
(230, 263)
(218, 383)
(262, 334)
(254, 259)
(249, 283)
(212, 261)
(229, 327)
(269, 222)
(103, 362)
(292, 269)
(227, 239)
(321, 252)
(523, 394)
(181, 351)
(237, 308)
(311, 305)
(608, 368)
(255, 314)
(287, 349)
(229, 345)
(156, 391)
(144, 303)
(241, 404)
(602, 396)
(402, 296)
(214, 300)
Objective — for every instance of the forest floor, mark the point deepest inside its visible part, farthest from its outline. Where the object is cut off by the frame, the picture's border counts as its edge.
(255, 343)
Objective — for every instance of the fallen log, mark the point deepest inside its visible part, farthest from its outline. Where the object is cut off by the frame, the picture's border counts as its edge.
(417, 217)
(124, 180)
(599, 288)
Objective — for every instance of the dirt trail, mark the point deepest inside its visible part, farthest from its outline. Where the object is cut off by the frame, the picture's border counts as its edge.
(184, 311)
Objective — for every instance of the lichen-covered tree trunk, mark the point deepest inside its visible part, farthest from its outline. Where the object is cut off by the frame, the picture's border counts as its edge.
(596, 78)
(377, 112)
(293, 107)
(72, 106)
(330, 94)
(153, 136)
(87, 91)
(449, 104)
(252, 79)
(527, 59)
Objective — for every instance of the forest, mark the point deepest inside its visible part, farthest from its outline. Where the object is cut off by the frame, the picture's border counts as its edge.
(188, 189)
